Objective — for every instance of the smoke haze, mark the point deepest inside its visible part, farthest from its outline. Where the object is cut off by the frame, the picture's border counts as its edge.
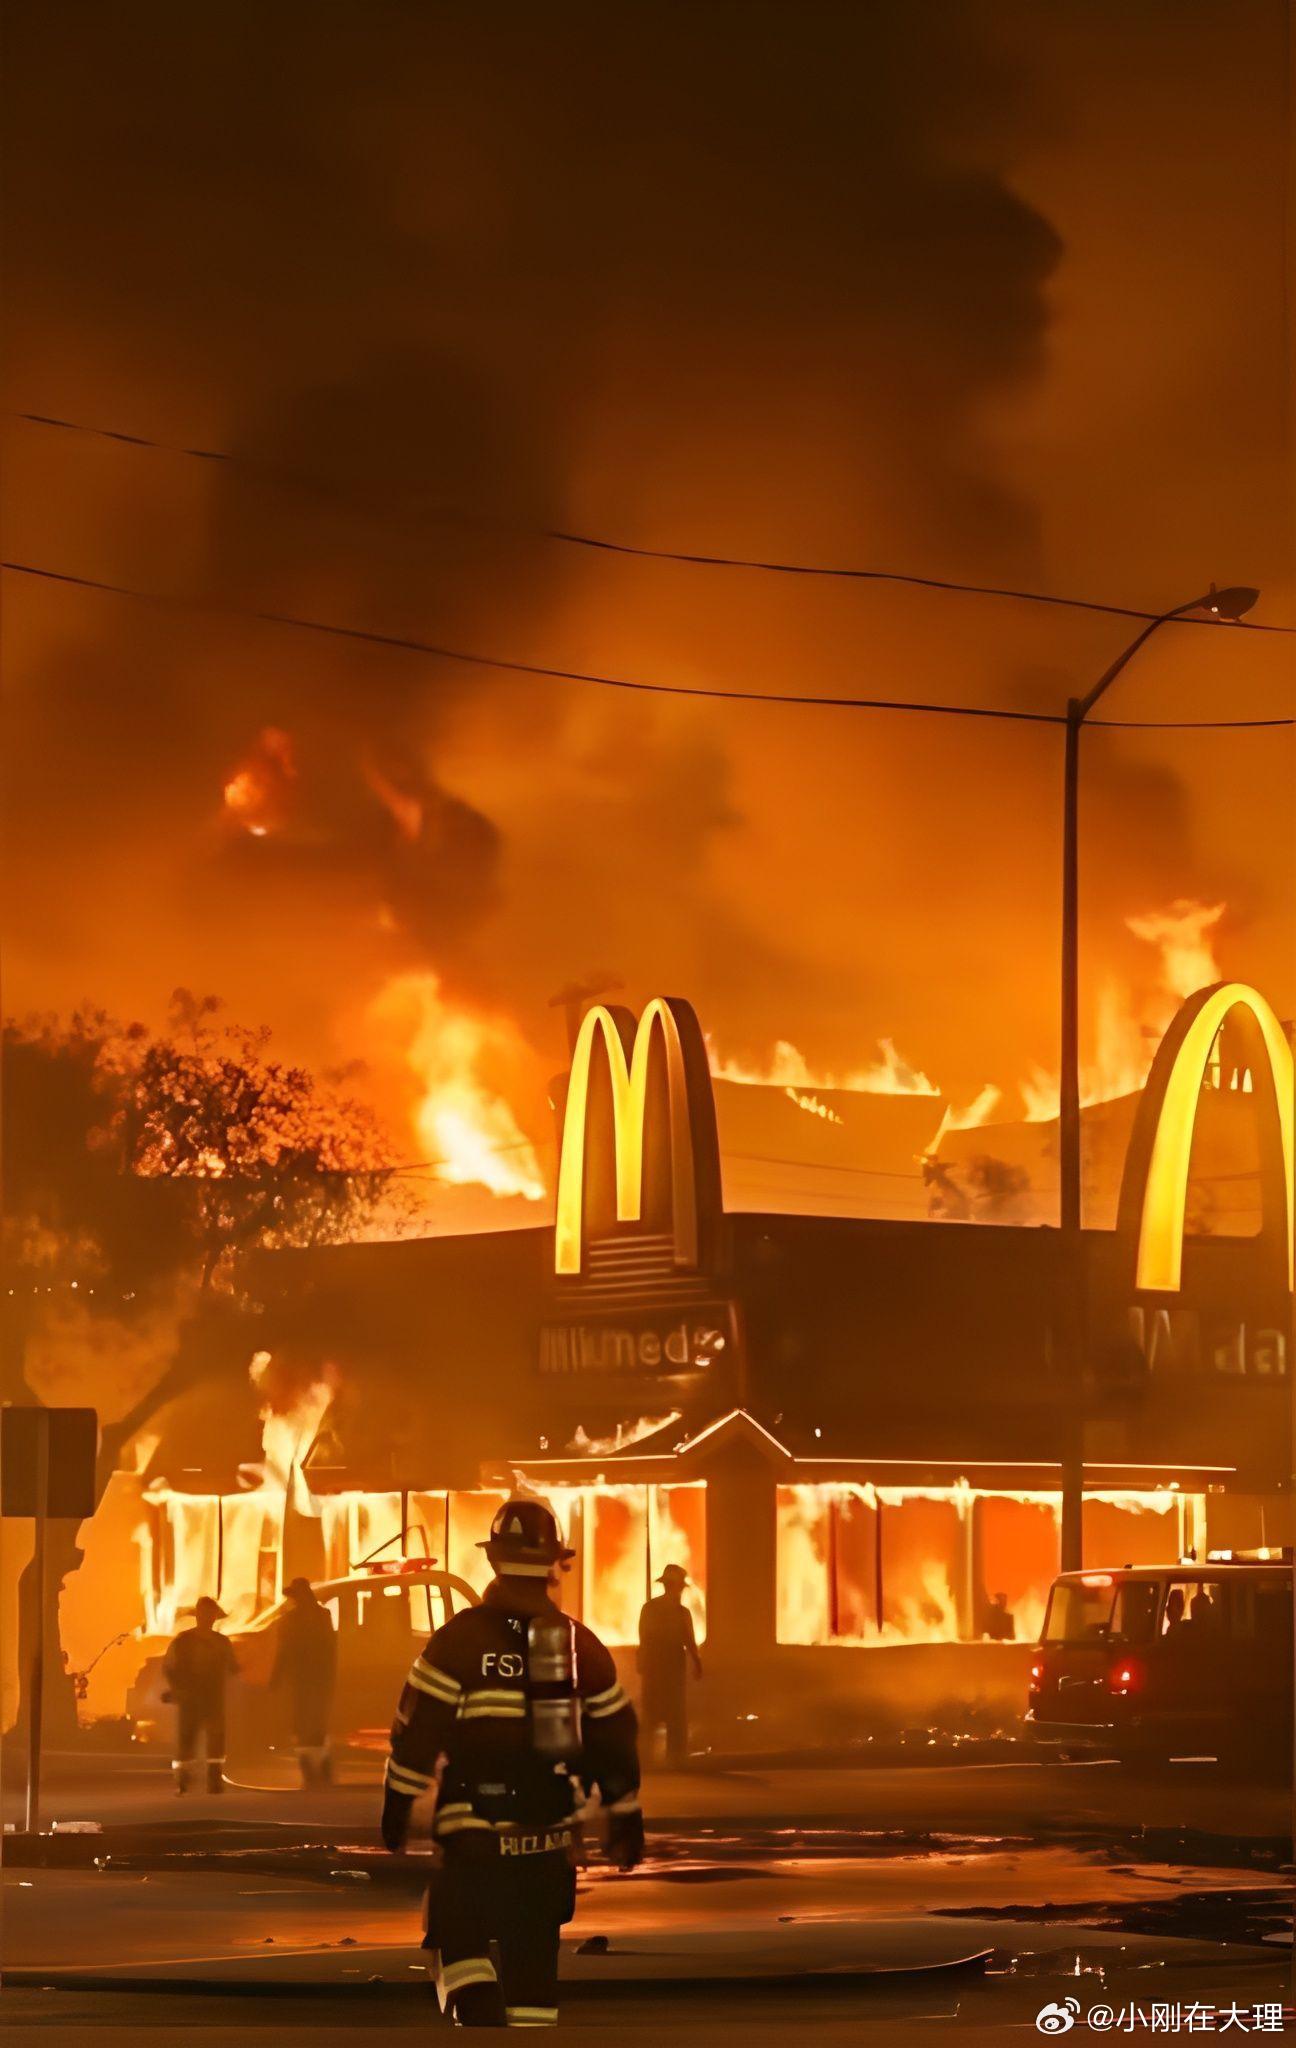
(981, 293)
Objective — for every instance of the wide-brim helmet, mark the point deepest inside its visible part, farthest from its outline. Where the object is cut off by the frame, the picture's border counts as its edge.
(525, 1537)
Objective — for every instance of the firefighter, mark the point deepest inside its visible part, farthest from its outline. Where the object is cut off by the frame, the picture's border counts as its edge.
(305, 1667)
(511, 1711)
(667, 1645)
(198, 1666)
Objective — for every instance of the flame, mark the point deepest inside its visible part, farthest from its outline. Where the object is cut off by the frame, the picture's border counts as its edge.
(1127, 1032)
(464, 1129)
(1182, 933)
(919, 1604)
(626, 1433)
(624, 1536)
(979, 1111)
(790, 1070)
(256, 794)
(288, 1429)
(802, 1573)
(812, 1106)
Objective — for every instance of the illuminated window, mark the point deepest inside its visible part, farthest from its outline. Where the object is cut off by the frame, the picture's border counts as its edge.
(1016, 1551)
(471, 1515)
(923, 1563)
(1143, 1528)
(623, 1536)
(677, 1535)
(617, 1576)
(802, 1594)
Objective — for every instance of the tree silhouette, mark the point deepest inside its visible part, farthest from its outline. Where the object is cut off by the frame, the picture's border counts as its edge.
(143, 1171)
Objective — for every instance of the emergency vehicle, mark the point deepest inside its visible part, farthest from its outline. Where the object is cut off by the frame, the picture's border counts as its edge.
(383, 1615)
(1190, 1659)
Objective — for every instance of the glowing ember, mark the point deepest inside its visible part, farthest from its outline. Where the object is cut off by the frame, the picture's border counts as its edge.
(465, 1129)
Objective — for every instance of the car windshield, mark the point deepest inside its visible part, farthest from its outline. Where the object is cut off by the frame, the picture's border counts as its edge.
(1101, 1609)
(1079, 1611)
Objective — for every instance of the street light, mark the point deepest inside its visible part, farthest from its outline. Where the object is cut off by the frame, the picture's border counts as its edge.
(1232, 605)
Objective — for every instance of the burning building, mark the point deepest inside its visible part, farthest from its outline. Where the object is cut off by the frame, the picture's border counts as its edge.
(845, 1429)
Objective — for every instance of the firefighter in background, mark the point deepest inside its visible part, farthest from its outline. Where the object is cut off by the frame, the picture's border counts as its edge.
(667, 1646)
(197, 1667)
(511, 1710)
(305, 1667)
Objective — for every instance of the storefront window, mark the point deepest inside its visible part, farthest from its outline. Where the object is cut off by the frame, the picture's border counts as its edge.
(471, 1515)
(948, 1564)
(251, 1543)
(855, 1585)
(803, 1607)
(1132, 1529)
(924, 1555)
(1016, 1550)
(677, 1535)
(617, 1576)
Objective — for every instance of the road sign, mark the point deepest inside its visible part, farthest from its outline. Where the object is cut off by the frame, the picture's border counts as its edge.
(73, 1438)
(47, 1468)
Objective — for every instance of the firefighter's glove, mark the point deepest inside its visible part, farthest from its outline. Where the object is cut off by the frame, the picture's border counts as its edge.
(625, 1839)
(397, 1808)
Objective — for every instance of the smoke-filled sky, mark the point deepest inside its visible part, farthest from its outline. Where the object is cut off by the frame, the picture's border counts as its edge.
(988, 293)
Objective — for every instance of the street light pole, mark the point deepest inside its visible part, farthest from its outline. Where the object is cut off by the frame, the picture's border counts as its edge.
(1070, 1327)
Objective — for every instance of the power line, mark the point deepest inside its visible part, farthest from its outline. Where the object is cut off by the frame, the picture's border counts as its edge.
(600, 545)
(406, 644)
(820, 1165)
(854, 575)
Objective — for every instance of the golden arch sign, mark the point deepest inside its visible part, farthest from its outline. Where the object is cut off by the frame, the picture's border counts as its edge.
(1154, 1189)
(629, 1049)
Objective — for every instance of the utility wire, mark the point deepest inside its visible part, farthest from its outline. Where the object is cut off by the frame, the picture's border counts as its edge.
(409, 645)
(600, 545)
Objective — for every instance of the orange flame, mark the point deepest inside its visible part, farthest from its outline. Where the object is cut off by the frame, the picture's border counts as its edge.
(1127, 1033)
(465, 1130)
(978, 1112)
(789, 1069)
(289, 1428)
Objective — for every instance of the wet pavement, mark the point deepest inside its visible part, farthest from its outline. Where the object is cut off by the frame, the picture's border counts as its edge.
(824, 1898)
(1037, 1800)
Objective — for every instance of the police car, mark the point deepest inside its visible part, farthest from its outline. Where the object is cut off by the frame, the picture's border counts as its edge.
(383, 1616)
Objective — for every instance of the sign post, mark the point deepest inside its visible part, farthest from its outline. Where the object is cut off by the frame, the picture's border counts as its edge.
(36, 1681)
(47, 1468)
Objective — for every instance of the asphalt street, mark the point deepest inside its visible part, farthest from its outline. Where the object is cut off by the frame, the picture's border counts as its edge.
(1040, 1799)
(812, 1899)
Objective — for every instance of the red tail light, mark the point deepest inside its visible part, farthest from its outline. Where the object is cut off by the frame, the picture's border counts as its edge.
(1036, 1676)
(1125, 1676)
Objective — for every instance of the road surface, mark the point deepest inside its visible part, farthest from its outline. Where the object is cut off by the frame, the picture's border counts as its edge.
(1030, 1798)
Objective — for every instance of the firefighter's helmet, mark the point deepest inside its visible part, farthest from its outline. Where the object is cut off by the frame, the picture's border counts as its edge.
(525, 1532)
